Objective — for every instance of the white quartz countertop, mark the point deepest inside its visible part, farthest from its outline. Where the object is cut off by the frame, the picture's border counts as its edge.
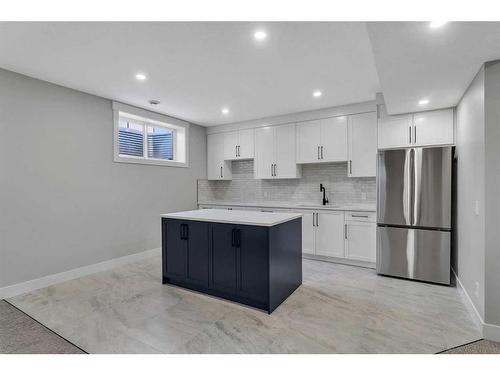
(265, 219)
(354, 207)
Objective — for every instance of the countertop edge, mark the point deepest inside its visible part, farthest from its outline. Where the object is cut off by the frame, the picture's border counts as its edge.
(236, 222)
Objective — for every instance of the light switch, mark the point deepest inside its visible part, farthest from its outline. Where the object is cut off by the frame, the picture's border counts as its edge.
(363, 196)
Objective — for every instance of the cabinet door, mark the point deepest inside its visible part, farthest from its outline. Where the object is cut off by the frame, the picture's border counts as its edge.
(217, 167)
(308, 231)
(330, 234)
(395, 131)
(360, 241)
(230, 145)
(246, 144)
(197, 253)
(253, 262)
(308, 141)
(264, 152)
(334, 139)
(362, 145)
(223, 258)
(284, 151)
(433, 128)
(176, 250)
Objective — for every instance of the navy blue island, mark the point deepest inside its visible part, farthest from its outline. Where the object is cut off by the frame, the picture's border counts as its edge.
(250, 257)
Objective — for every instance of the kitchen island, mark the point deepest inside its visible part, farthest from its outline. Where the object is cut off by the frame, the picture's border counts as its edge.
(254, 258)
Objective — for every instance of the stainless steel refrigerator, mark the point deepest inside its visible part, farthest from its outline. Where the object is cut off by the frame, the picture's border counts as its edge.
(414, 213)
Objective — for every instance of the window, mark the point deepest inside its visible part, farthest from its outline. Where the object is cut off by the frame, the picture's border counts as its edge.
(146, 140)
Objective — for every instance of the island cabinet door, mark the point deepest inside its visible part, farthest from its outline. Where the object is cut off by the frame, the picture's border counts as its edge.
(174, 251)
(252, 243)
(196, 235)
(223, 259)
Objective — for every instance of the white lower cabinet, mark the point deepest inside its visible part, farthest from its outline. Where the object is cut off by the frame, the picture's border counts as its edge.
(348, 235)
(360, 236)
(330, 234)
(308, 232)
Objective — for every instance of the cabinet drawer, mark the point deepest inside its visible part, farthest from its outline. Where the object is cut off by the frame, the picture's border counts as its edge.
(360, 216)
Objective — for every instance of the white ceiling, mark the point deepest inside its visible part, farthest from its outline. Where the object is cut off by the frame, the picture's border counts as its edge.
(414, 61)
(195, 69)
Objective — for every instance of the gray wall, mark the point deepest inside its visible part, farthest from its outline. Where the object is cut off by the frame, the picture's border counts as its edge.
(469, 257)
(478, 149)
(492, 192)
(341, 190)
(64, 202)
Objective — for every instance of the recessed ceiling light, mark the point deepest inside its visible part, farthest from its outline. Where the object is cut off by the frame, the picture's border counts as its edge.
(437, 24)
(140, 76)
(317, 93)
(225, 111)
(423, 101)
(260, 35)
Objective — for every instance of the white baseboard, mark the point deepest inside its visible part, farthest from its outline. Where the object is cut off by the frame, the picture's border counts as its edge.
(478, 319)
(42, 282)
(489, 331)
(345, 261)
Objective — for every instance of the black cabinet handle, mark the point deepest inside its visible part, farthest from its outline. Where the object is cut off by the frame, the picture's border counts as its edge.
(233, 232)
(186, 232)
(238, 238)
(321, 152)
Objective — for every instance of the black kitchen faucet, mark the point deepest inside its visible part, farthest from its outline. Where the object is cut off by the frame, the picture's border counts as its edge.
(323, 189)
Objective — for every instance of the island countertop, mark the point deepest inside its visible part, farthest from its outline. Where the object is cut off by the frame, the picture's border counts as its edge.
(265, 219)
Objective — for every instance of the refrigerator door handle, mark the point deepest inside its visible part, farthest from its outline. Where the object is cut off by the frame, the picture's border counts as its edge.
(412, 186)
(407, 185)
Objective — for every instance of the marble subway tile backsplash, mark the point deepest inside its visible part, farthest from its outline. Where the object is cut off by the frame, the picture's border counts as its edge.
(243, 188)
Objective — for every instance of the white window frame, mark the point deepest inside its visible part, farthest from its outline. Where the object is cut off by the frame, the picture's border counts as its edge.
(146, 118)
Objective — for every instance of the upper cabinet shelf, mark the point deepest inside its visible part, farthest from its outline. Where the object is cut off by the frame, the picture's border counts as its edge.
(431, 128)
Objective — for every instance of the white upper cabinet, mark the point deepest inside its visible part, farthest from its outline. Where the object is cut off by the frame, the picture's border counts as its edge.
(217, 167)
(239, 144)
(308, 141)
(323, 140)
(394, 131)
(275, 153)
(264, 153)
(362, 136)
(431, 128)
(334, 139)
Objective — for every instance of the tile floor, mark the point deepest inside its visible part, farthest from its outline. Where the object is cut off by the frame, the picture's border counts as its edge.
(338, 309)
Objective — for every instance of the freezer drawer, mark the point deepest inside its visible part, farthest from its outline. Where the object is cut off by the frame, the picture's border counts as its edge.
(414, 254)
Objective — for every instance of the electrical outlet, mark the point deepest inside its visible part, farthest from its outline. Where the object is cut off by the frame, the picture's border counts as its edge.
(476, 292)
(363, 196)
(476, 207)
